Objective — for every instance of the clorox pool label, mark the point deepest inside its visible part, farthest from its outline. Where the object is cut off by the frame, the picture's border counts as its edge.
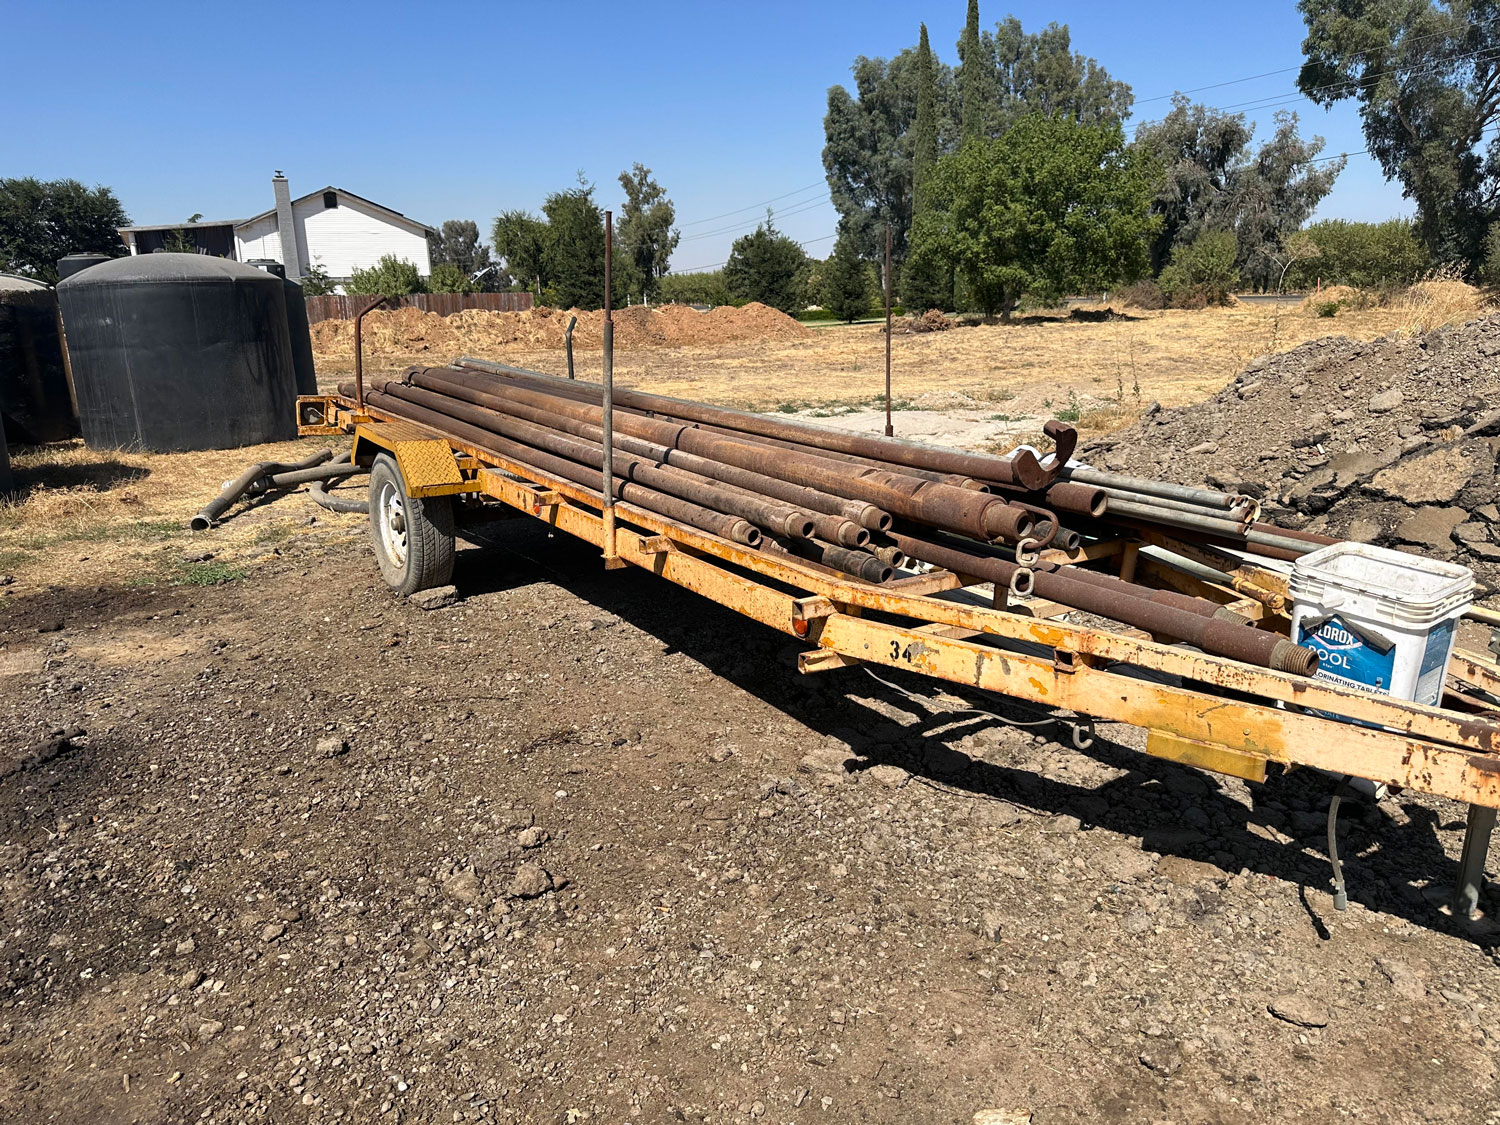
(1345, 659)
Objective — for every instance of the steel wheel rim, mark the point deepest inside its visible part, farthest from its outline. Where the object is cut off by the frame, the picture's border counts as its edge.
(391, 523)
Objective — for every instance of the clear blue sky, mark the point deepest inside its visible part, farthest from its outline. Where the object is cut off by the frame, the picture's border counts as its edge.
(462, 110)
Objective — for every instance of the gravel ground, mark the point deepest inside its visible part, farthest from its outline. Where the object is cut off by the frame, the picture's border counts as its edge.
(584, 847)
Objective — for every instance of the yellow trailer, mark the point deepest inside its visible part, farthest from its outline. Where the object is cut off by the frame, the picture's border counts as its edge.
(1216, 714)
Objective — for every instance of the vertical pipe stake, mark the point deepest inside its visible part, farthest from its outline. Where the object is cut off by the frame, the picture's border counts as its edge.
(611, 552)
(889, 431)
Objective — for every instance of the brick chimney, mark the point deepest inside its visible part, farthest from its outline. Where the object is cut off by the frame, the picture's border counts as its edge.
(286, 226)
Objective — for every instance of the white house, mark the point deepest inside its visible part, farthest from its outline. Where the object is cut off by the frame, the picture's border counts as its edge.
(331, 228)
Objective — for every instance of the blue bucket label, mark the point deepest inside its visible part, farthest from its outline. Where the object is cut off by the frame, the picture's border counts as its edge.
(1434, 663)
(1345, 659)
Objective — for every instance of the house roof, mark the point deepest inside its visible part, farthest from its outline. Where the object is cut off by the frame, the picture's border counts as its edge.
(343, 191)
(266, 214)
(183, 226)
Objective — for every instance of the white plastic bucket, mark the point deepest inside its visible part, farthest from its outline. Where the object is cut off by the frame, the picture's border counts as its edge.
(1382, 621)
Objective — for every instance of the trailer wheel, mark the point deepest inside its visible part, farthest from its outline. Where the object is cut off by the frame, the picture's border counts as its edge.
(413, 538)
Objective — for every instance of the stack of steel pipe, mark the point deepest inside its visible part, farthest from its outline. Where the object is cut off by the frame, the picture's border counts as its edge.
(837, 502)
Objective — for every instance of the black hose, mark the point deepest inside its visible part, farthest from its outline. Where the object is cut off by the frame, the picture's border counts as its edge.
(319, 490)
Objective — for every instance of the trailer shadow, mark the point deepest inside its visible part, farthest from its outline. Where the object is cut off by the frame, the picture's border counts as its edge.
(1392, 852)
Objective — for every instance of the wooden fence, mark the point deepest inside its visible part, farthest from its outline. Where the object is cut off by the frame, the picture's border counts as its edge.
(337, 307)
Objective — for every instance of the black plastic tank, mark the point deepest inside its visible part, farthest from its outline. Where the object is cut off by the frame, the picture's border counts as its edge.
(7, 482)
(297, 326)
(179, 351)
(35, 404)
(75, 263)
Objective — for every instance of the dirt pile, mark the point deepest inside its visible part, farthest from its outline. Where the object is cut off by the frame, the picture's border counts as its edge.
(1391, 441)
(411, 331)
(933, 320)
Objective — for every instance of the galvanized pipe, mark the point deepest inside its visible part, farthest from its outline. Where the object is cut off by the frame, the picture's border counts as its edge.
(1253, 537)
(1208, 498)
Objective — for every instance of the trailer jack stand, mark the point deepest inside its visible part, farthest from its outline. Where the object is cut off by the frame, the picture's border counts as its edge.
(1465, 902)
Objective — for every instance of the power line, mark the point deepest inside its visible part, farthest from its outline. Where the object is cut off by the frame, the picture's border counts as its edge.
(810, 205)
(754, 206)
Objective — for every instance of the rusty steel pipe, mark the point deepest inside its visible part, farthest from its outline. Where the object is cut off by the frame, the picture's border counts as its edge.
(1075, 499)
(686, 486)
(974, 513)
(815, 506)
(359, 349)
(1024, 469)
(1206, 497)
(861, 564)
(1211, 634)
(661, 436)
(670, 507)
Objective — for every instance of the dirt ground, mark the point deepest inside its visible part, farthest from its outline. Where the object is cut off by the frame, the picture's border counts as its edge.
(277, 847)
(587, 848)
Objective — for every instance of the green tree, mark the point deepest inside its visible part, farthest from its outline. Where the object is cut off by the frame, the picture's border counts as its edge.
(1364, 255)
(390, 277)
(1426, 75)
(448, 278)
(844, 287)
(1202, 272)
(925, 284)
(523, 242)
(764, 267)
(457, 244)
(575, 236)
(870, 137)
(42, 221)
(1208, 179)
(704, 288)
(974, 72)
(1051, 206)
(315, 280)
(1197, 149)
(646, 235)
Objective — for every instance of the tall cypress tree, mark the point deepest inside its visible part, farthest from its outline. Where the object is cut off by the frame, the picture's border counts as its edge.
(924, 151)
(971, 76)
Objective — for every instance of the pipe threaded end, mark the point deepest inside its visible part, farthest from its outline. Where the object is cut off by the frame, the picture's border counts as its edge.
(1299, 660)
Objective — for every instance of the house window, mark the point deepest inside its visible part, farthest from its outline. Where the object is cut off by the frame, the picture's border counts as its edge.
(330, 199)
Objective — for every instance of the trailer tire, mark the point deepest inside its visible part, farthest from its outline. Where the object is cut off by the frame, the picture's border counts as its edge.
(412, 537)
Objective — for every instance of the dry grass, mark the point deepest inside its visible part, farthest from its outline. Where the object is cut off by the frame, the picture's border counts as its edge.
(85, 517)
(1175, 356)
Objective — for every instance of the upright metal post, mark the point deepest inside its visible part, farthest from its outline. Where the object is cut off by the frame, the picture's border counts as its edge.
(1465, 902)
(889, 431)
(611, 553)
(568, 338)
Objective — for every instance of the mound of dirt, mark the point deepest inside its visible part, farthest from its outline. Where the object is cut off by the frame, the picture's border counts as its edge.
(410, 331)
(1392, 441)
(932, 320)
(1338, 294)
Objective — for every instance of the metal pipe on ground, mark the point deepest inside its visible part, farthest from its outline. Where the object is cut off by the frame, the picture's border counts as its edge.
(957, 509)
(715, 523)
(812, 504)
(234, 489)
(1025, 470)
(675, 482)
(318, 492)
(1211, 634)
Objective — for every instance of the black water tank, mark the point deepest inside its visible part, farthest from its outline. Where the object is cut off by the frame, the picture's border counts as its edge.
(297, 326)
(34, 400)
(179, 351)
(75, 263)
(7, 482)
